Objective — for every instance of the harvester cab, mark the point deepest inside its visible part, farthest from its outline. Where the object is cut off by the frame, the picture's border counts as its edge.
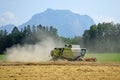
(69, 52)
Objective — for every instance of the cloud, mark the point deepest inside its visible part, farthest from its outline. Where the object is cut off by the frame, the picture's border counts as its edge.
(9, 15)
(8, 18)
(100, 19)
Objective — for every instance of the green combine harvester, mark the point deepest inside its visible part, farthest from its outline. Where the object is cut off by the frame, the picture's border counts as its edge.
(70, 53)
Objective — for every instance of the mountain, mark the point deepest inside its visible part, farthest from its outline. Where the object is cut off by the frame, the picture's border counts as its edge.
(67, 23)
(8, 27)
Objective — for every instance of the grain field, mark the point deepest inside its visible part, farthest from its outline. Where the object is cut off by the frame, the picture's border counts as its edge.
(59, 71)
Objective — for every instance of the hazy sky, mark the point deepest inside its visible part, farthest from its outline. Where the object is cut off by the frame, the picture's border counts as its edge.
(20, 11)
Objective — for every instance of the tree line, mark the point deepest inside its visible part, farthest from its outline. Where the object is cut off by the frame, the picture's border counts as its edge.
(103, 37)
(26, 35)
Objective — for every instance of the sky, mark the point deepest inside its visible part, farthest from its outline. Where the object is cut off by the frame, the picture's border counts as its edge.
(19, 11)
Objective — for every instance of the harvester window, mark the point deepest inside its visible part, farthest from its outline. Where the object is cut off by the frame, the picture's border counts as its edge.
(83, 51)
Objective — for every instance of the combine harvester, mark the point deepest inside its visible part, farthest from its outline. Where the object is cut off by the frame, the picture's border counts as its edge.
(70, 53)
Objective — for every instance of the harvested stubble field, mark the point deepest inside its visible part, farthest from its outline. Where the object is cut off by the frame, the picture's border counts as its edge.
(59, 71)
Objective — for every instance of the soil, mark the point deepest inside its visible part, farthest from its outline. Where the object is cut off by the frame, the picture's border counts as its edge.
(59, 70)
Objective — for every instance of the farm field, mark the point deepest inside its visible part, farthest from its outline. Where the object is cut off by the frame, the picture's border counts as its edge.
(101, 57)
(107, 67)
(105, 57)
(59, 71)
(2, 57)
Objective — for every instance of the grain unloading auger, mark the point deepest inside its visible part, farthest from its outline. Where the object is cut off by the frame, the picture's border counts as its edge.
(70, 53)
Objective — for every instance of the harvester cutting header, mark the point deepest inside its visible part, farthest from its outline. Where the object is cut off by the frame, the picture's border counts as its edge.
(70, 53)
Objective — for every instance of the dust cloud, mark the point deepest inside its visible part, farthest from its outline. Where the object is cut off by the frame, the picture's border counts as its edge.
(32, 53)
